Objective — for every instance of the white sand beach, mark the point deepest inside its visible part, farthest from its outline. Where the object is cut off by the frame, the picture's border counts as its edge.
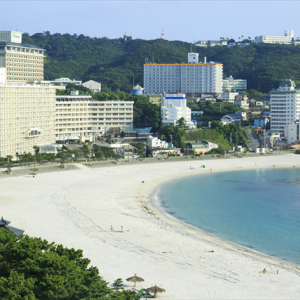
(77, 208)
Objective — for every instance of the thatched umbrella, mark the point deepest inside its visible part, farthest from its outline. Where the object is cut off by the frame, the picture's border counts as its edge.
(135, 279)
(33, 174)
(155, 289)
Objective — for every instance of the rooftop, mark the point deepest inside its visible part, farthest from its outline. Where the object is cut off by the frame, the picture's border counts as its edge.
(2, 43)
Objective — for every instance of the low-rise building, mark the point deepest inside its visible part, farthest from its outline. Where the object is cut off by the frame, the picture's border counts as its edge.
(288, 38)
(155, 98)
(156, 143)
(261, 122)
(80, 118)
(291, 132)
(211, 43)
(228, 96)
(94, 86)
(65, 81)
(199, 147)
(234, 84)
(232, 118)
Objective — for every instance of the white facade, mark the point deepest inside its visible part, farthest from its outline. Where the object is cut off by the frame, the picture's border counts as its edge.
(23, 63)
(155, 142)
(190, 78)
(79, 117)
(288, 38)
(27, 117)
(94, 86)
(285, 105)
(234, 84)
(2, 75)
(193, 58)
(174, 108)
(211, 43)
(65, 81)
(228, 96)
(11, 36)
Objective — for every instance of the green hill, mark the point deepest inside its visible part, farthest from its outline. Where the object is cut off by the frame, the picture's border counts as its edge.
(113, 62)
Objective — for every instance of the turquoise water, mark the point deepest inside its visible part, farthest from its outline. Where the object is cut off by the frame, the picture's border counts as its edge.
(259, 209)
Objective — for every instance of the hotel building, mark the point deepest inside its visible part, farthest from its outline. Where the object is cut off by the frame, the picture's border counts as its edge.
(27, 116)
(174, 108)
(288, 38)
(23, 63)
(192, 78)
(285, 105)
(80, 118)
(230, 84)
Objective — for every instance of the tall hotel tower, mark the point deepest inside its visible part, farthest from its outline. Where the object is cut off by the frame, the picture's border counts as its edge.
(192, 78)
(27, 104)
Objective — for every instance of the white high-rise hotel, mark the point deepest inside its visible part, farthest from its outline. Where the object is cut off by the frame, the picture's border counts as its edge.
(191, 78)
(285, 105)
(32, 115)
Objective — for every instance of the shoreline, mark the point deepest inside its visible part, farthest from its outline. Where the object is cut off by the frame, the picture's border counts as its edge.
(160, 213)
(156, 206)
(164, 251)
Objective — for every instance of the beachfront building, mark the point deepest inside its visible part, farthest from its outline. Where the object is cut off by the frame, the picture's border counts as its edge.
(285, 105)
(80, 118)
(94, 86)
(228, 96)
(291, 132)
(199, 147)
(156, 143)
(192, 78)
(174, 108)
(27, 117)
(288, 38)
(65, 81)
(230, 84)
(23, 63)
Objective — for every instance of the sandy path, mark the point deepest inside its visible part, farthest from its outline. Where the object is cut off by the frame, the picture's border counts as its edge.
(77, 208)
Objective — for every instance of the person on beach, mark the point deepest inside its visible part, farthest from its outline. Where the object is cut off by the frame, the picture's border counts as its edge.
(111, 228)
(277, 271)
(122, 228)
(264, 270)
(143, 181)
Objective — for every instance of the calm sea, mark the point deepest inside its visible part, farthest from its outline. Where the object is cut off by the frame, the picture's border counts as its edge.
(259, 209)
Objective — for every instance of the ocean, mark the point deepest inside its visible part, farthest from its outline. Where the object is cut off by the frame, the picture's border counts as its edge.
(257, 209)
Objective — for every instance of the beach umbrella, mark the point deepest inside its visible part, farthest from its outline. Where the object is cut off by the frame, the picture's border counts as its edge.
(33, 174)
(135, 279)
(155, 289)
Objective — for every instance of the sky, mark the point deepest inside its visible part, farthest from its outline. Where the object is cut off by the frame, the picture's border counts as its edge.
(180, 20)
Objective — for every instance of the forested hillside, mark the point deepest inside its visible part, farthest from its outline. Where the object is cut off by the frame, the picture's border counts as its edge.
(113, 62)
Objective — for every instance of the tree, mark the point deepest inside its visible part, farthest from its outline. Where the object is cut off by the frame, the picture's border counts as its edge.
(32, 268)
(140, 148)
(118, 285)
(64, 155)
(180, 122)
(50, 157)
(35, 152)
